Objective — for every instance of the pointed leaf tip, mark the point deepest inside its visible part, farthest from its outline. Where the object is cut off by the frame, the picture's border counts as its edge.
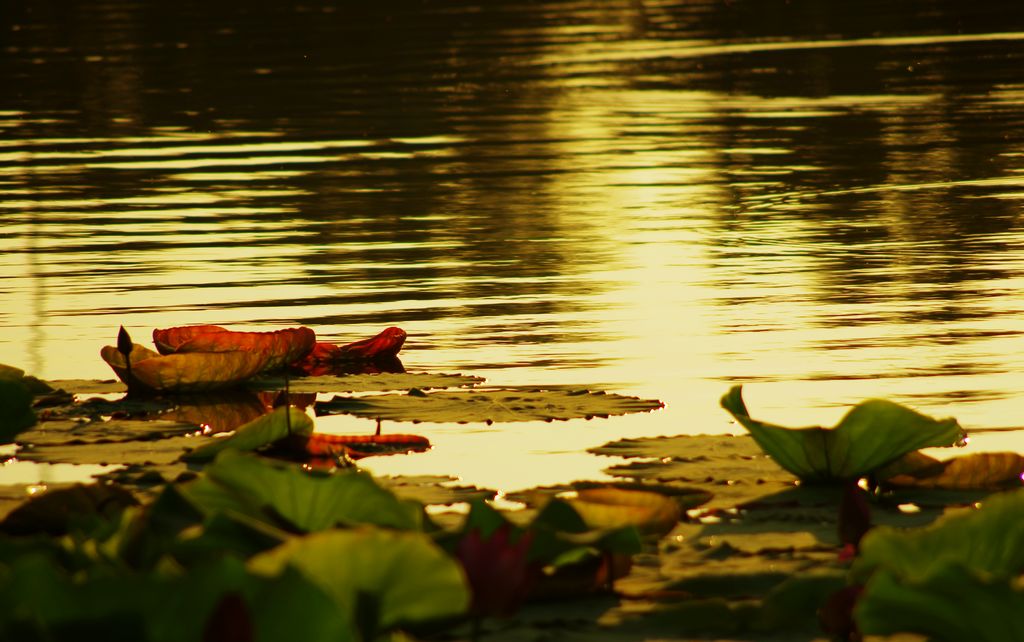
(124, 344)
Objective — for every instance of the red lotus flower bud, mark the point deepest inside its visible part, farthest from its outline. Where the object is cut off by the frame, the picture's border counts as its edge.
(497, 569)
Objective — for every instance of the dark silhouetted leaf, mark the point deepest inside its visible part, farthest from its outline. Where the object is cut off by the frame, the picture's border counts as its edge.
(854, 515)
(15, 404)
(56, 511)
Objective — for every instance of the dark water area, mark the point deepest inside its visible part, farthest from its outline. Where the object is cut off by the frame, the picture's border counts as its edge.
(821, 200)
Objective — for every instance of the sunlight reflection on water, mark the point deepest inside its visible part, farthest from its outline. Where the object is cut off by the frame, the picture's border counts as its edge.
(650, 203)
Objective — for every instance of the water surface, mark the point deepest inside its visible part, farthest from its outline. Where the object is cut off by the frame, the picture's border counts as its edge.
(661, 198)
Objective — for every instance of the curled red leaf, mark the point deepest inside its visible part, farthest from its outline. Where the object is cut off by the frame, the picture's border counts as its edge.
(380, 349)
(385, 344)
(280, 347)
(359, 446)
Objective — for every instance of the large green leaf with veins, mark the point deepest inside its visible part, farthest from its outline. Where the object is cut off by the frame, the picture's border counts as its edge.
(405, 576)
(872, 434)
(287, 496)
(989, 540)
(957, 579)
(284, 421)
(488, 406)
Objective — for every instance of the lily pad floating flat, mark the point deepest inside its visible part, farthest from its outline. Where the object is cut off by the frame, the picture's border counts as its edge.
(433, 489)
(872, 434)
(733, 469)
(88, 386)
(155, 452)
(383, 382)
(488, 406)
(978, 471)
(70, 432)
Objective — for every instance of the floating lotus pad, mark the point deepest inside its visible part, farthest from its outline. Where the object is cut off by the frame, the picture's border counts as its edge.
(157, 452)
(433, 489)
(383, 382)
(488, 406)
(977, 471)
(611, 507)
(185, 372)
(88, 386)
(70, 432)
(733, 469)
(686, 497)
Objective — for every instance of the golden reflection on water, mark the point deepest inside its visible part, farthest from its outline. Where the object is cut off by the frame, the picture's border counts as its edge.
(587, 201)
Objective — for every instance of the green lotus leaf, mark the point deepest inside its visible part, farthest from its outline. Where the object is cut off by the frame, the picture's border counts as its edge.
(950, 604)
(283, 422)
(872, 434)
(989, 540)
(487, 406)
(42, 602)
(404, 575)
(286, 495)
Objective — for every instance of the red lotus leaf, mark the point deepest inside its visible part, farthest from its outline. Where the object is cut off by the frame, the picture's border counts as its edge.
(281, 347)
(325, 357)
(186, 372)
(385, 344)
(359, 446)
(497, 569)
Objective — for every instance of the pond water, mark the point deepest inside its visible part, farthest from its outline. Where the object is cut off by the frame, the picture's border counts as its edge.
(822, 201)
